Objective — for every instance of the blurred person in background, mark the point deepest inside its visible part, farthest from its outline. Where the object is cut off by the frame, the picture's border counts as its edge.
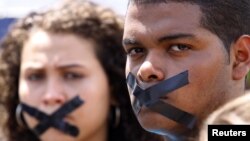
(235, 112)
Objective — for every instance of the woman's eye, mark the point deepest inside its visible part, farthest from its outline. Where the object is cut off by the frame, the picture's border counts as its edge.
(179, 47)
(35, 77)
(135, 51)
(71, 76)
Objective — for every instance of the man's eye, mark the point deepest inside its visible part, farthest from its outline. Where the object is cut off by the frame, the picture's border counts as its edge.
(35, 77)
(179, 47)
(72, 76)
(135, 51)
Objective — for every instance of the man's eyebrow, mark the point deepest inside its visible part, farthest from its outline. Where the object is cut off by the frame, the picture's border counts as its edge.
(175, 37)
(130, 42)
(69, 66)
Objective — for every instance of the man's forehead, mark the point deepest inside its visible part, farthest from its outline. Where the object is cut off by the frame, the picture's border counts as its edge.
(142, 10)
(159, 1)
(147, 1)
(169, 17)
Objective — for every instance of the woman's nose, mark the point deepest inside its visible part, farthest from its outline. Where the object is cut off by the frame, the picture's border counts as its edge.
(54, 94)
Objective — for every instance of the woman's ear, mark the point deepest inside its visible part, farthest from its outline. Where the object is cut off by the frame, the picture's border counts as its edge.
(113, 101)
(241, 52)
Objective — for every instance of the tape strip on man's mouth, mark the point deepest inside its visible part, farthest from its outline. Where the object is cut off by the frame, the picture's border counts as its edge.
(150, 98)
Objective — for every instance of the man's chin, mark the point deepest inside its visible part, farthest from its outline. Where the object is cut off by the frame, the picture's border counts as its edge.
(155, 122)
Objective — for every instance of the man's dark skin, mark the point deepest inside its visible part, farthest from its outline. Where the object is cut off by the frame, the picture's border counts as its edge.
(165, 38)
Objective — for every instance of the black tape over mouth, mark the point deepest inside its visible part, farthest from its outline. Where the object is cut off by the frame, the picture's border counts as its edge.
(56, 119)
(150, 98)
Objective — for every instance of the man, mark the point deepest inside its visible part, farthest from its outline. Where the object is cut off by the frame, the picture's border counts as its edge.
(202, 47)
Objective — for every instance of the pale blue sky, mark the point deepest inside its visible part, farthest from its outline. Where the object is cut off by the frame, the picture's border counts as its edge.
(18, 8)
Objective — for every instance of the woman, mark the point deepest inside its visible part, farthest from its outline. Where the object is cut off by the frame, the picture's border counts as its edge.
(63, 57)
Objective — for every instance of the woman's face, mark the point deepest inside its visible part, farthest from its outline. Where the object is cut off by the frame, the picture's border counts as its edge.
(56, 68)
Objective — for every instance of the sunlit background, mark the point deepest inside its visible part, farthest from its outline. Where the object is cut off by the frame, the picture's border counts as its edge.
(18, 8)
(13, 9)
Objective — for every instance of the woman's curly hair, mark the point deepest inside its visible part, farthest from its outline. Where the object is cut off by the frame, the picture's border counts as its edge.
(86, 20)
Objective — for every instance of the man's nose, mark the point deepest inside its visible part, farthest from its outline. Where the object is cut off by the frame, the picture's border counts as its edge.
(150, 71)
(54, 94)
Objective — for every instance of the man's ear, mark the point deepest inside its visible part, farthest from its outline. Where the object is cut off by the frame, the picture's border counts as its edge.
(241, 52)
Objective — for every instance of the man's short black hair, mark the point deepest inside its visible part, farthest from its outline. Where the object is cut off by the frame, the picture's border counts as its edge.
(228, 19)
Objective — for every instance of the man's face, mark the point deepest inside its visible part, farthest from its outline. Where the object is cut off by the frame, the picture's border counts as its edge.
(163, 40)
